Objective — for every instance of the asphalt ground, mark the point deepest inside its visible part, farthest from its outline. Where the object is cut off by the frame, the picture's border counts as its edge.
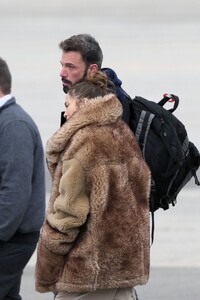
(165, 283)
(175, 255)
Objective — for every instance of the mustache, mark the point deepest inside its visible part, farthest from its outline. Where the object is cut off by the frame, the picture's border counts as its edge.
(64, 80)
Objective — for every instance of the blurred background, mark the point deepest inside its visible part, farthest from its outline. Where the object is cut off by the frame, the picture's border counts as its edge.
(154, 46)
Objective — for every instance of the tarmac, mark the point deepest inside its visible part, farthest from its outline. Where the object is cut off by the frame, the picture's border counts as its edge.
(164, 284)
(175, 255)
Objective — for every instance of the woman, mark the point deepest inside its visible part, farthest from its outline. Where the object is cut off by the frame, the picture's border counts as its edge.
(95, 241)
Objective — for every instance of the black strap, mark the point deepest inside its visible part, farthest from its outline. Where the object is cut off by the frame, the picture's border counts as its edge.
(196, 180)
(142, 129)
(168, 97)
(152, 227)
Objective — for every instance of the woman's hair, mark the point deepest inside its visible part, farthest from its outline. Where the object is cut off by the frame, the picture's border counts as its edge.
(95, 85)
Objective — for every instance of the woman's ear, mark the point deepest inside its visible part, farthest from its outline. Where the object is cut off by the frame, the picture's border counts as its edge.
(84, 100)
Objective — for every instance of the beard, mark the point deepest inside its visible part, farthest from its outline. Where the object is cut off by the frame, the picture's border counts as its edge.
(65, 87)
(70, 84)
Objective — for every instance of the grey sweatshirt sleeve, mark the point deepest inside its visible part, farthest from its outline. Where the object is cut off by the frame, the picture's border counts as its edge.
(16, 169)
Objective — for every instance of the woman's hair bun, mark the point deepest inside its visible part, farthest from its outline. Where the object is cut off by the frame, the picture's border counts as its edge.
(98, 79)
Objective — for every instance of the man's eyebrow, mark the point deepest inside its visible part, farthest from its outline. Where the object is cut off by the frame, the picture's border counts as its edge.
(67, 64)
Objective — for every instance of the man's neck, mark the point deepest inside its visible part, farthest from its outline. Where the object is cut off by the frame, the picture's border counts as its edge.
(1, 94)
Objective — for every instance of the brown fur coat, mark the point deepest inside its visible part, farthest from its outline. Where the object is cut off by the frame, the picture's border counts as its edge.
(96, 233)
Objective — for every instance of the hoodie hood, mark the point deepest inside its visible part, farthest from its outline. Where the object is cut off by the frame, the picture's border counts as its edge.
(121, 94)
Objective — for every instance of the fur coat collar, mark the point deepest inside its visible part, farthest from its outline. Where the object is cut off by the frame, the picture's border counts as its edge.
(97, 112)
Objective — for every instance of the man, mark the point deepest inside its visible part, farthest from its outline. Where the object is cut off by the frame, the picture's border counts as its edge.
(82, 54)
(22, 188)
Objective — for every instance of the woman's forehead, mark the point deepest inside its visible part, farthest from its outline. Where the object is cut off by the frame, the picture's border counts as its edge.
(70, 98)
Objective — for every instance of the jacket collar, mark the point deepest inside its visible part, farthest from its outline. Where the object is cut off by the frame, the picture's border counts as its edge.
(8, 103)
(98, 111)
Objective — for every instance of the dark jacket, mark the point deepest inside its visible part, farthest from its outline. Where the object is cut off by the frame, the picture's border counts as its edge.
(22, 188)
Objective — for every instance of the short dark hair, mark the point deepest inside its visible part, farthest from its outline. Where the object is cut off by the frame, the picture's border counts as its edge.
(87, 46)
(5, 77)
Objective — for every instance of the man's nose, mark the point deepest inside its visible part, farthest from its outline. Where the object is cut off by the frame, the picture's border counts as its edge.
(63, 72)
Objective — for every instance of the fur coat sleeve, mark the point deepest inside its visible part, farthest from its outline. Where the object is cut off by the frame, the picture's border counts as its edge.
(70, 210)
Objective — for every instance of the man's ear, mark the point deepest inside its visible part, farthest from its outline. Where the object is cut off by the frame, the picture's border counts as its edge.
(93, 68)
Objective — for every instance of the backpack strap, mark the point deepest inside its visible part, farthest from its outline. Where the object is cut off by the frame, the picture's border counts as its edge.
(142, 129)
(141, 134)
(171, 98)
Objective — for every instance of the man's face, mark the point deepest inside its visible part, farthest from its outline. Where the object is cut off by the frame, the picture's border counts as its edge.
(73, 69)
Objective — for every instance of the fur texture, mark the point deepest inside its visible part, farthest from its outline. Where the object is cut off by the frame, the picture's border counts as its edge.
(96, 233)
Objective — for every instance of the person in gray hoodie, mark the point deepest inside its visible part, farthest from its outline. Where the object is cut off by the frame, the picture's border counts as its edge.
(22, 188)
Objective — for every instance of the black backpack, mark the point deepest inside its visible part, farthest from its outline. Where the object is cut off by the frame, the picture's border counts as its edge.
(171, 157)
